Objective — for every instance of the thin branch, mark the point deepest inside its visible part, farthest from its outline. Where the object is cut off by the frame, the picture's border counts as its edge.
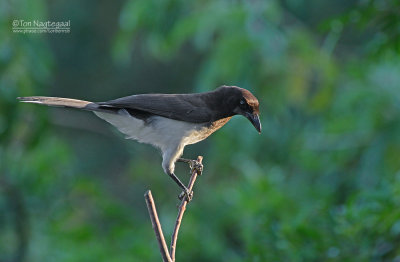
(182, 209)
(169, 256)
(157, 227)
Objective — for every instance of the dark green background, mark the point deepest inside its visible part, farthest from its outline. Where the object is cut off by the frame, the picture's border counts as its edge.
(321, 183)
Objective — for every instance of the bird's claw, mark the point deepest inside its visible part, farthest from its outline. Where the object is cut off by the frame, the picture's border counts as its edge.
(196, 165)
(188, 195)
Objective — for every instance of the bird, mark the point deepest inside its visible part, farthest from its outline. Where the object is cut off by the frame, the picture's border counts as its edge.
(169, 121)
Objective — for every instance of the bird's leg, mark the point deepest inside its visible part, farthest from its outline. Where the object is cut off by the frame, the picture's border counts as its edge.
(186, 193)
(193, 164)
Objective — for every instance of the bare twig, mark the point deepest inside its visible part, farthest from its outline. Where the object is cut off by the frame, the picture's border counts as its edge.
(169, 257)
(157, 227)
(182, 209)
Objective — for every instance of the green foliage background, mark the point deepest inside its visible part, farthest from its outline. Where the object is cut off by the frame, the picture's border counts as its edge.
(321, 183)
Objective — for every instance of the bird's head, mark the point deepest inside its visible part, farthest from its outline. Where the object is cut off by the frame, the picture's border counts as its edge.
(244, 103)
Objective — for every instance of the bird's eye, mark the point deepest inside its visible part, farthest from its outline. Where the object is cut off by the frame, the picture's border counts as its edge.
(241, 102)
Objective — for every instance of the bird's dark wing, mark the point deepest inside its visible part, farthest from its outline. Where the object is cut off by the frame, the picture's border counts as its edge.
(183, 107)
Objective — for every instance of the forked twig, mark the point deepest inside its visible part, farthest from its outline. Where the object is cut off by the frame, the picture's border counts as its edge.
(169, 256)
(182, 209)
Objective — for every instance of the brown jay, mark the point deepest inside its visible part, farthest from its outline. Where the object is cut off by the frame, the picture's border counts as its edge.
(169, 121)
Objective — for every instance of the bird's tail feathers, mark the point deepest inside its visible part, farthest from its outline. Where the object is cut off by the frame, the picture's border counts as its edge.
(60, 102)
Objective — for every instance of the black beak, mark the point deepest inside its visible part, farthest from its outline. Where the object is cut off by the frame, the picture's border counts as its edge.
(255, 120)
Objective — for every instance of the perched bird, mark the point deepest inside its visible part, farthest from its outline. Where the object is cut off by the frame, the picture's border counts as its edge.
(169, 121)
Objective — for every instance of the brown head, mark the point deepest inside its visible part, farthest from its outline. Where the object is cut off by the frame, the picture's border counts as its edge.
(241, 102)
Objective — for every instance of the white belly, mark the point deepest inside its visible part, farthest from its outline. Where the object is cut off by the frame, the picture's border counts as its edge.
(159, 131)
(171, 136)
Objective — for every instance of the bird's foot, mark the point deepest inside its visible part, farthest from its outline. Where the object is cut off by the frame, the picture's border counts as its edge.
(194, 165)
(188, 195)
